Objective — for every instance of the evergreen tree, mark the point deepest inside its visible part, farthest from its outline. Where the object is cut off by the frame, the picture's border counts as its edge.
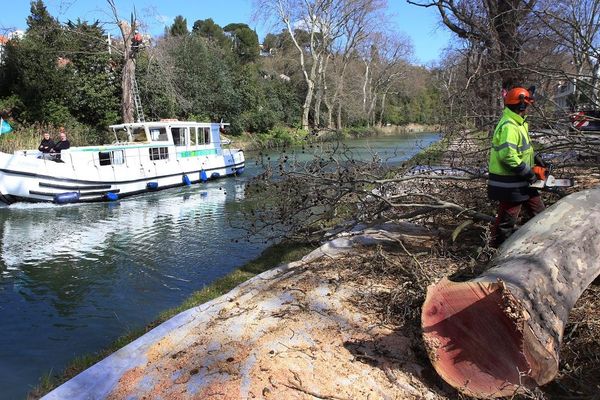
(209, 30)
(179, 27)
(245, 42)
(34, 68)
(95, 82)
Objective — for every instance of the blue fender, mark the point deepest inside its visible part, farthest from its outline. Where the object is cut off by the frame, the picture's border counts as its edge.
(215, 175)
(152, 185)
(67, 197)
(186, 181)
(111, 196)
(203, 176)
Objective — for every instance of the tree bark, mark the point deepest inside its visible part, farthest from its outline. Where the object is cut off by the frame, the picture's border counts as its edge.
(501, 332)
(127, 74)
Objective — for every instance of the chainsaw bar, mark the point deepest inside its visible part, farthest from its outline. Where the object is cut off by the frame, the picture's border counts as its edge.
(552, 182)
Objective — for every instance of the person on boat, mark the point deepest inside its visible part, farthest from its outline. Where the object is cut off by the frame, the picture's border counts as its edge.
(46, 145)
(511, 166)
(63, 144)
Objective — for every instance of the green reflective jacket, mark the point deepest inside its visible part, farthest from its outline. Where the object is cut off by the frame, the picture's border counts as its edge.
(511, 147)
(511, 159)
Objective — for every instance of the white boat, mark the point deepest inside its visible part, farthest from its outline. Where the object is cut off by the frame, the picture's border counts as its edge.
(146, 156)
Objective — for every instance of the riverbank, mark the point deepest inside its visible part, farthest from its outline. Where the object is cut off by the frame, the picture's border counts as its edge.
(272, 256)
(284, 137)
(319, 327)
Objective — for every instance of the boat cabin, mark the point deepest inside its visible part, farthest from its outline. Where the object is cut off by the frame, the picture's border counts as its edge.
(142, 142)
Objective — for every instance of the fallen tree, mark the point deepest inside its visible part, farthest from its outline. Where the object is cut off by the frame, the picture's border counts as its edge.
(500, 333)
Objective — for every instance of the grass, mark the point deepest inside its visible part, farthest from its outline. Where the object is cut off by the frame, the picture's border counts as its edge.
(432, 155)
(270, 258)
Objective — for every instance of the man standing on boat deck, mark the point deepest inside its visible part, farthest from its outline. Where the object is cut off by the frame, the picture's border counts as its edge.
(47, 144)
(62, 145)
(510, 167)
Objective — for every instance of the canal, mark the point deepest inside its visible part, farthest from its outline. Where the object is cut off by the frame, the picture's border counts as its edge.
(73, 278)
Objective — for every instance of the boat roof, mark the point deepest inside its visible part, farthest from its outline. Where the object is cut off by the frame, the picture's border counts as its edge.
(165, 122)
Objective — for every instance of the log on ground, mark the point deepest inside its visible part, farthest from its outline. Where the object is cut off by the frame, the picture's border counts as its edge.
(501, 332)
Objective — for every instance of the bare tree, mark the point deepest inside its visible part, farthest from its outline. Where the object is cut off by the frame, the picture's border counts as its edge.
(385, 59)
(307, 16)
(500, 26)
(128, 71)
(364, 18)
(327, 22)
(574, 26)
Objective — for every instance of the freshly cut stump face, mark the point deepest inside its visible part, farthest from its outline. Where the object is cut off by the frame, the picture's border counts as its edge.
(460, 321)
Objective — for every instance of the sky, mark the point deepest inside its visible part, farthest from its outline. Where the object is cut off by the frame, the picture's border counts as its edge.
(422, 25)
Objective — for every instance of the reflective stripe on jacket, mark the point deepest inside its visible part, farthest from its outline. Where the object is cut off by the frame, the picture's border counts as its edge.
(511, 159)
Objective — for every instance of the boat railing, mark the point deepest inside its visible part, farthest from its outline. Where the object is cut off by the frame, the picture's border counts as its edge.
(114, 156)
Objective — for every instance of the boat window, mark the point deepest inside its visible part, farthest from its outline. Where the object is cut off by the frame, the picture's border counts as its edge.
(159, 153)
(121, 135)
(139, 135)
(178, 136)
(115, 157)
(193, 138)
(204, 136)
(158, 134)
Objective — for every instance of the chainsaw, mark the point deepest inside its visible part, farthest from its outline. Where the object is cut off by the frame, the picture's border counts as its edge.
(546, 180)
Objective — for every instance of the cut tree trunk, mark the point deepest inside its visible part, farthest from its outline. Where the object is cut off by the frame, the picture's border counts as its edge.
(501, 332)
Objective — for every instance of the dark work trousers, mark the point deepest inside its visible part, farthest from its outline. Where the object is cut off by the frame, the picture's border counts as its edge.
(508, 215)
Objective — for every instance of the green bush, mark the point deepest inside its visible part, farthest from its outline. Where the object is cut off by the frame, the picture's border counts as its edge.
(29, 137)
(258, 121)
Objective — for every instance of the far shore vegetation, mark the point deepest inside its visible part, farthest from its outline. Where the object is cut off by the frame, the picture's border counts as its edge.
(66, 74)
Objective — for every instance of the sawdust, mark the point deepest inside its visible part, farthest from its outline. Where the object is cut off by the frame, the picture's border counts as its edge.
(305, 335)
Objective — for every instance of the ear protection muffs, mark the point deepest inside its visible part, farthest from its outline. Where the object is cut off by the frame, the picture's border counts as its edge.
(522, 104)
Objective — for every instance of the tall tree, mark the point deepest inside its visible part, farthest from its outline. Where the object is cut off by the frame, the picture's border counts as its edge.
(244, 41)
(209, 29)
(385, 63)
(363, 19)
(323, 21)
(32, 68)
(94, 92)
(128, 58)
(179, 27)
(500, 26)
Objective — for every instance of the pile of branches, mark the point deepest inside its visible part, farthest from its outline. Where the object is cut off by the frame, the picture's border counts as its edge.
(305, 199)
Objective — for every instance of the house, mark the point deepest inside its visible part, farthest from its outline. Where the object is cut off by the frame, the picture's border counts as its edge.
(563, 95)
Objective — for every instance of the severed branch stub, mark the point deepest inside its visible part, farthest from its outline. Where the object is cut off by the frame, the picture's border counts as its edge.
(501, 332)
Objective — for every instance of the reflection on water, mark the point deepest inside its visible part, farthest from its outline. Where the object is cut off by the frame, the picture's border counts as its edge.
(76, 233)
(75, 277)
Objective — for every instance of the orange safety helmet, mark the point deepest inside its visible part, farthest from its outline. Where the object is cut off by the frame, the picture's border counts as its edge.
(519, 96)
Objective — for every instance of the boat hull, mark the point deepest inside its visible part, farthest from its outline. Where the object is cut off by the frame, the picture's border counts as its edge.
(28, 178)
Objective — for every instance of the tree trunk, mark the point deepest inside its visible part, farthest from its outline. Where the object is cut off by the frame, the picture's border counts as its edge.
(127, 74)
(127, 87)
(309, 79)
(383, 96)
(500, 332)
(321, 87)
(364, 88)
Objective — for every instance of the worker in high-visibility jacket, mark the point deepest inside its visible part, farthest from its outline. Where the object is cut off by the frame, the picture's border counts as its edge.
(510, 168)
